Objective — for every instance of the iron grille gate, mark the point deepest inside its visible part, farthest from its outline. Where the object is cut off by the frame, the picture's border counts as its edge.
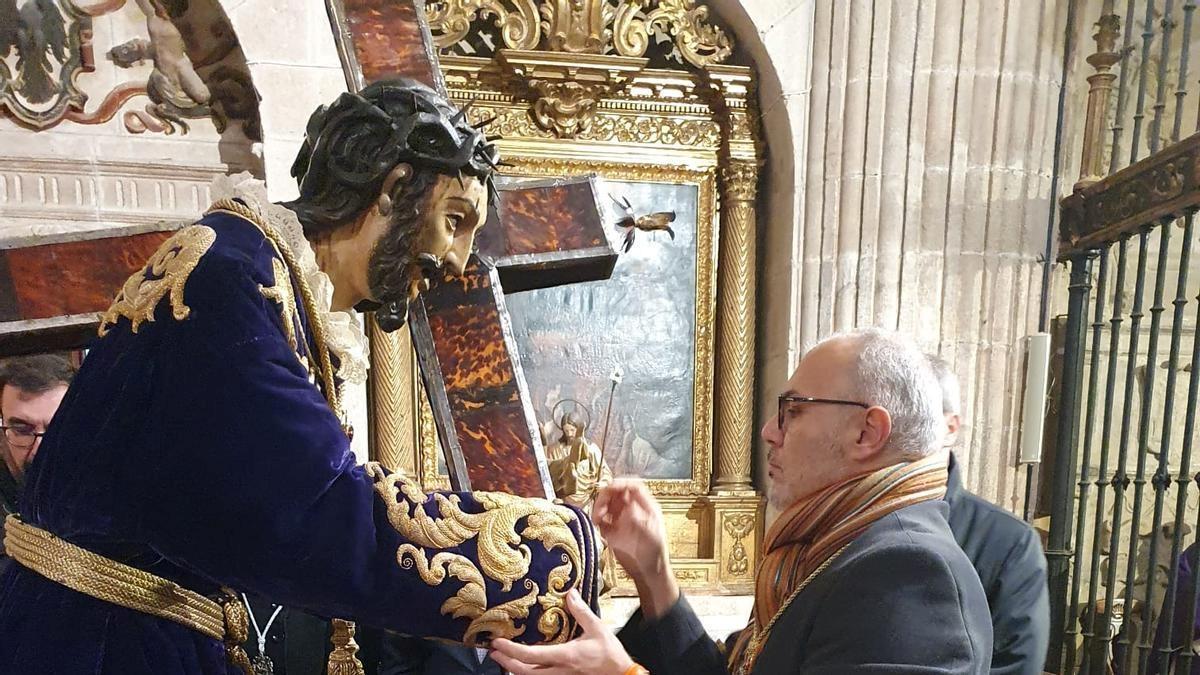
(1125, 500)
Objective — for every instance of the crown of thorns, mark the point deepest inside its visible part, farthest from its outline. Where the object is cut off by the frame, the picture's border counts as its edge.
(420, 127)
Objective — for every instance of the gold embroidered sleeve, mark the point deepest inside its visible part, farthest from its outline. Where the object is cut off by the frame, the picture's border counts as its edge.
(518, 543)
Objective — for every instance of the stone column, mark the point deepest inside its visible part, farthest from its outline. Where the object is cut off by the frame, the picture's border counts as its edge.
(926, 204)
(735, 282)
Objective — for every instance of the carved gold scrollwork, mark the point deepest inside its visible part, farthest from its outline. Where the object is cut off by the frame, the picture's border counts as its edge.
(642, 128)
(565, 108)
(738, 527)
(623, 27)
(576, 26)
(740, 180)
(565, 90)
(699, 42)
(450, 21)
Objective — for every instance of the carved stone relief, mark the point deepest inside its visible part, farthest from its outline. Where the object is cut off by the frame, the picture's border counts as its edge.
(193, 76)
(44, 46)
(197, 68)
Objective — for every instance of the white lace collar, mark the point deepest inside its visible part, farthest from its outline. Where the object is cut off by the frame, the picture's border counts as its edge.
(345, 336)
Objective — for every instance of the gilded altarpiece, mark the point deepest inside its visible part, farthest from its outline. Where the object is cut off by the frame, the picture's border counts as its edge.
(639, 94)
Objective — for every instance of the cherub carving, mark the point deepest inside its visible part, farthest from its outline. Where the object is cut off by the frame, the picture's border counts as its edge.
(175, 89)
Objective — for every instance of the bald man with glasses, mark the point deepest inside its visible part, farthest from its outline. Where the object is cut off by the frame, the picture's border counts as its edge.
(860, 572)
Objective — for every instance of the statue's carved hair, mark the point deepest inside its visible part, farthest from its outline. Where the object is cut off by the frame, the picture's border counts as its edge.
(351, 146)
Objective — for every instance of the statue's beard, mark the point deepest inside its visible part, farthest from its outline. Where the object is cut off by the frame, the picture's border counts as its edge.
(392, 271)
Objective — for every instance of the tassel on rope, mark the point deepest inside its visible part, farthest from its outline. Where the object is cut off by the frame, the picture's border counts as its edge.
(236, 631)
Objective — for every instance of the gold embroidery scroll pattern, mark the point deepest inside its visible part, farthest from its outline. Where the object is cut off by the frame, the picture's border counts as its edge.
(281, 292)
(503, 557)
(500, 621)
(165, 274)
(470, 600)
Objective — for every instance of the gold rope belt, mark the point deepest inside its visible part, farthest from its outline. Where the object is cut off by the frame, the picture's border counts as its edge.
(94, 575)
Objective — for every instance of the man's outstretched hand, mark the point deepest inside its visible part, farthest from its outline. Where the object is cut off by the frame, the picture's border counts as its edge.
(596, 652)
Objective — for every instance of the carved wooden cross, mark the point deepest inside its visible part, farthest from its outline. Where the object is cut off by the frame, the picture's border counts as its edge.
(51, 294)
(539, 235)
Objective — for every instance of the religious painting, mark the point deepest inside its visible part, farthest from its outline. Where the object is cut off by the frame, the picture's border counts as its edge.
(650, 323)
(639, 325)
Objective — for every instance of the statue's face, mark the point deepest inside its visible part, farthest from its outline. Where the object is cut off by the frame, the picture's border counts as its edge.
(570, 431)
(456, 211)
(413, 242)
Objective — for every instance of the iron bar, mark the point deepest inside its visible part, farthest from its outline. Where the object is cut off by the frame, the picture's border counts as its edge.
(1161, 91)
(1189, 430)
(1058, 548)
(1053, 216)
(1162, 477)
(1160, 94)
(1085, 463)
(1140, 111)
(1095, 657)
(1122, 99)
(1181, 480)
(1139, 478)
(1189, 8)
(1121, 477)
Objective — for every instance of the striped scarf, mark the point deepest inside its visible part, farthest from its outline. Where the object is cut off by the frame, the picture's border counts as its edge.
(818, 526)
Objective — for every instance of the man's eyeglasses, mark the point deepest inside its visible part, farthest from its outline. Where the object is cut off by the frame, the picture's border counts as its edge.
(21, 436)
(787, 399)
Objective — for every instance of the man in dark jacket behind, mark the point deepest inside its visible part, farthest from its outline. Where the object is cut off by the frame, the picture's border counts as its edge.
(1006, 553)
(860, 573)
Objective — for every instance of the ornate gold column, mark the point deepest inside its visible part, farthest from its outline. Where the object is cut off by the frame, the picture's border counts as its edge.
(392, 399)
(1108, 29)
(735, 280)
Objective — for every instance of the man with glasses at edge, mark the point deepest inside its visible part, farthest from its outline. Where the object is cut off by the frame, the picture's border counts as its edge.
(860, 572)
(31, 388)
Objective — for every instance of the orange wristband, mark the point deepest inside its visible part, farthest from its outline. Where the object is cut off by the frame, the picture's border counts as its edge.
(636, 668)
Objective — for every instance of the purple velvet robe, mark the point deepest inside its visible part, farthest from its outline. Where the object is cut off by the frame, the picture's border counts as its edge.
(197, 448)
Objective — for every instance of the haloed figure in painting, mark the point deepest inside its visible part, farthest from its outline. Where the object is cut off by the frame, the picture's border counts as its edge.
(577, 466)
